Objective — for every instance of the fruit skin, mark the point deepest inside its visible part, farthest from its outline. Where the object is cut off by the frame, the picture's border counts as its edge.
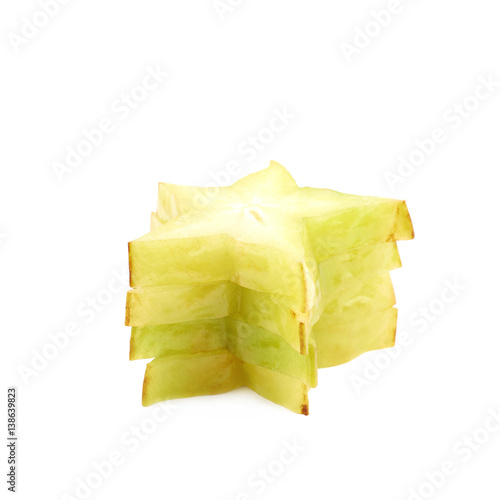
(181, 376)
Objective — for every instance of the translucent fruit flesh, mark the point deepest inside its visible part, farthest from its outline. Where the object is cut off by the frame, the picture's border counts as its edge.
(260, 230)
(259, 346)
(180, 376)
(183, 376)
(254, 345)
(346, 341)
(235, 285)
(163, 305)
(167, 305)
(150, 306)
(248, 343)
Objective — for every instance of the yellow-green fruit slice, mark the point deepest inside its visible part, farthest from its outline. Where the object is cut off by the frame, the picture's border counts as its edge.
(336, 345)
(343, 269)
(164, 305)
(306, 248)
(262, 233)
(376, 221)
(260, 347)
(268, 255)
(155, 221)
(363, 298)
(182, 376)
(368, 219)
(346, 341)
(150, 306)
(248, 343)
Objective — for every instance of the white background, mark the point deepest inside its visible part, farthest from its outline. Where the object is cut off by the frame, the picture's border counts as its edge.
(61, 241)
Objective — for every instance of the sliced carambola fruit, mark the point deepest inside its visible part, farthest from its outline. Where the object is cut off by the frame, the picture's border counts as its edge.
(268, 255)
(382, 219)
(149, 306)
(343, 269)
(248, 343)
(155, 221)
(185, 375)
(176, 200)
(263, 233)
(369, 221)
(189, 337)
(182, 376)
(339, 270)
(363, 298)
(344, 342)
(260, 347)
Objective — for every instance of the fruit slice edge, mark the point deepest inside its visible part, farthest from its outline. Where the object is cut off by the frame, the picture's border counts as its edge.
(182, 376)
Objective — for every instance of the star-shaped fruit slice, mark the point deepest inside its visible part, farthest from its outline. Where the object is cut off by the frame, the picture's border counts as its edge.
(261, 347)
(263, 233)
(258, 284)
(216, 372)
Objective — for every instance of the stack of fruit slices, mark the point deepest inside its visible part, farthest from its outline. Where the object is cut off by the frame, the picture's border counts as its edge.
(259, 284)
